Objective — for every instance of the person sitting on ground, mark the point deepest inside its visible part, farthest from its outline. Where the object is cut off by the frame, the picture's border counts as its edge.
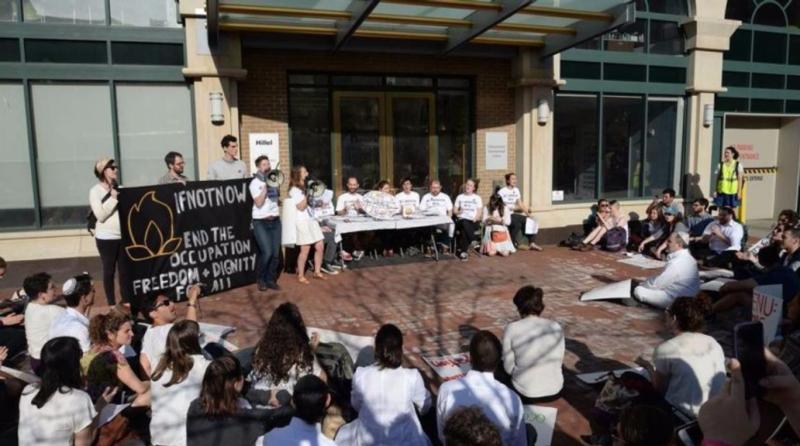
(700, 218)
(496, 238)
(774, 238)
(739, 293)
(104, 365)
(221, 416)
(519, 213)
(160, 311)
(351, 204)
(480, 388)
(643, 425)
(177, 380)
(668, 200)
(613, 221)
(284, 354)
(387, 415)
(12, 332)
(40, 313)
(590, 222)
(656, 244)
(689, 368)
(679, 278)
(79, 295)
(311, 398)
(438, 203)
(651, 225)
(468, 210)
(533, 348)
(790, 348)
(57, 411)
(468, 426)
(720, 241)
(791, 247)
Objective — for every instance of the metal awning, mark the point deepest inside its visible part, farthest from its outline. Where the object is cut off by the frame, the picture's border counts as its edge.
(442, 26)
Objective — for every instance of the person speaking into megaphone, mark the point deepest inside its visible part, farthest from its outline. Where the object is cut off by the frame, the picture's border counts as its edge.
(266, 224)
(308, 230)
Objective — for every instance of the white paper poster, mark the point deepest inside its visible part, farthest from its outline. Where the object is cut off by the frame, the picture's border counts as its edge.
(265, 144)
(768, 308)
(449, 367)
(617, 290)
(496, 151)
(543, 419)
(642, 262)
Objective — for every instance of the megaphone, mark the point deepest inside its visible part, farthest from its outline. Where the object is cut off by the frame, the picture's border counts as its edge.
(315, 188)
(274, 178)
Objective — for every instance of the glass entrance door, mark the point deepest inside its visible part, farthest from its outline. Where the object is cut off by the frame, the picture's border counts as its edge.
(384, 136)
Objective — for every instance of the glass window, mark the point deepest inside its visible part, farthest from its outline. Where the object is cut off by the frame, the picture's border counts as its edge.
(659, 157)
(155, 13)
(665, 38)
(575, 146)
(794, 52)
(771, 47)
(739, 10)
(739, 46)
(451, 82)
(770, 14)
(308, 79)
(580, 70)
(9, 50)
(735, 79)
(766, 106)
(793, 82)
(65, 51)
(624, 72)
(730, 104)
(368, 81)
(395, 81)
(677, 7)
(135, 53)
(774, 81)
(9, 11)
(455, 139)
(83, 12)
(792, 106)
(670, 75)
(152, 120)
(793, 13)
(73, 130)
(628, 38)
(309, 124)
(16, 193)
(622, 146)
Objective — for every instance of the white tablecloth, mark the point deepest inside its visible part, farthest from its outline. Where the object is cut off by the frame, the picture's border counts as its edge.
(345, 225)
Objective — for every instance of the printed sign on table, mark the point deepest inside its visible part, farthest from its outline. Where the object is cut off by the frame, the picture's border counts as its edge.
(768, 308)
(174, 236)
(449, 367)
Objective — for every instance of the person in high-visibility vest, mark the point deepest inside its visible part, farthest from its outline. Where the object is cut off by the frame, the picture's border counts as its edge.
(730, 180)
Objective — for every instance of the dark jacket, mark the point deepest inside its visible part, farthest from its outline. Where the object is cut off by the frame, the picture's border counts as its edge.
(244, 427)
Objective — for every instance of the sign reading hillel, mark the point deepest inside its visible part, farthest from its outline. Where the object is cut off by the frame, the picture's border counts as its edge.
(174, 236)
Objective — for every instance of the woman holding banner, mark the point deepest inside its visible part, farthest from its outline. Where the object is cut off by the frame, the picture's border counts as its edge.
(308, 230)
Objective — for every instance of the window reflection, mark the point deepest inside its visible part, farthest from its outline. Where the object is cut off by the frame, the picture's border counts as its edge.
(629, 38)
(622, 143)
(455, 148)
(311, 131)
(575, 147)
(84, 12)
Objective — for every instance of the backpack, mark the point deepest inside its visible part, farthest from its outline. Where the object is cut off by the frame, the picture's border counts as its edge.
(91, 219)
(615, 239)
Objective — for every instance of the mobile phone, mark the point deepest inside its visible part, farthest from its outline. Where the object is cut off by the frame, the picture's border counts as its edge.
(749, 347)
(689, 434)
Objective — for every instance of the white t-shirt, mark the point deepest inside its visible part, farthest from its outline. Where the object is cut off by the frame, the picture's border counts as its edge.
(64, 415)
(170, 404)
(533, 352)
(270, 206)
(694, 364)
(154, 344)
(408, 199)
(38, 319)
(72, 323)
(298, 195)
(348, 201)
(439, 204)
(510, 197)
(468, 204)
(297, 433)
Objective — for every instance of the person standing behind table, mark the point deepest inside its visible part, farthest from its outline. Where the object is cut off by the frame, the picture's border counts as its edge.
(107, 236)
(228, 167)
(74, 322)
(512, 198)
(266, 226)
(40, 313)
(351, 204)
(175, 165)
(468, 209)
(308, 231)
(730, 179)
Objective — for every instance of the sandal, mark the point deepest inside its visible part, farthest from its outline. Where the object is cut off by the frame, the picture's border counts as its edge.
(303, 280)
(320, 276)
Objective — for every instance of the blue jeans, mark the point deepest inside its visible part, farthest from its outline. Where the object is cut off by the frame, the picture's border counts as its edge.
(268, 238)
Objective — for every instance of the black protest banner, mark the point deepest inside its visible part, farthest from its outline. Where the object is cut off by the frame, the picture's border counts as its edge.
(176, 235)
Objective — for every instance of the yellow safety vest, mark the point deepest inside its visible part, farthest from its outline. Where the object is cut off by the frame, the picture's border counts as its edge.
(728, 178)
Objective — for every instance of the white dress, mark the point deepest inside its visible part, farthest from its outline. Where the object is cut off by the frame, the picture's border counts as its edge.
(488, 244)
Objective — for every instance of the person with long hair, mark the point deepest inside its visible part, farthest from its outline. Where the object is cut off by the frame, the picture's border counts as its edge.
(387, 237)
(221, 416)
(308, 230)
(107, 235)
(177, 380)
(496, 237)
(284, 354)
(689, 368)
(730, 179)
(57, 411)
(609, 218)
(673, 223)
(387, 397)
(105, 365)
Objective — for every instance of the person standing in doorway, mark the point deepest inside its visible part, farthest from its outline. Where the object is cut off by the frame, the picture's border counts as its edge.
(175, 165)
(730, 179)
(228, 167)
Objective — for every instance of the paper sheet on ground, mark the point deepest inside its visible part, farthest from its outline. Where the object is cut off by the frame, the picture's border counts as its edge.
(599, 377)
(616, 290)
(449, 367)
(714, 285)
(642, 262)
(109, 412)
(19, 374)
(542, 418)
(360, 347)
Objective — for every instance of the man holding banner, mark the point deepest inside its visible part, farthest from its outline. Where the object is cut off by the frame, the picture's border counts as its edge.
(266, 226)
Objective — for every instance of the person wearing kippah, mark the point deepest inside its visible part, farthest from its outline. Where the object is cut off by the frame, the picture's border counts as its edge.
(74, 322)
(679, 278)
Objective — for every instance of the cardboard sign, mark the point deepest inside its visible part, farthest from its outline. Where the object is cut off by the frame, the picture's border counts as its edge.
(543, 419)
(768, 308)
(449, 367)
(616, 290)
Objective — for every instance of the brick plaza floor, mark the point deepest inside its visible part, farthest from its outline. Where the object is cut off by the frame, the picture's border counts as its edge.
(439, 304)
